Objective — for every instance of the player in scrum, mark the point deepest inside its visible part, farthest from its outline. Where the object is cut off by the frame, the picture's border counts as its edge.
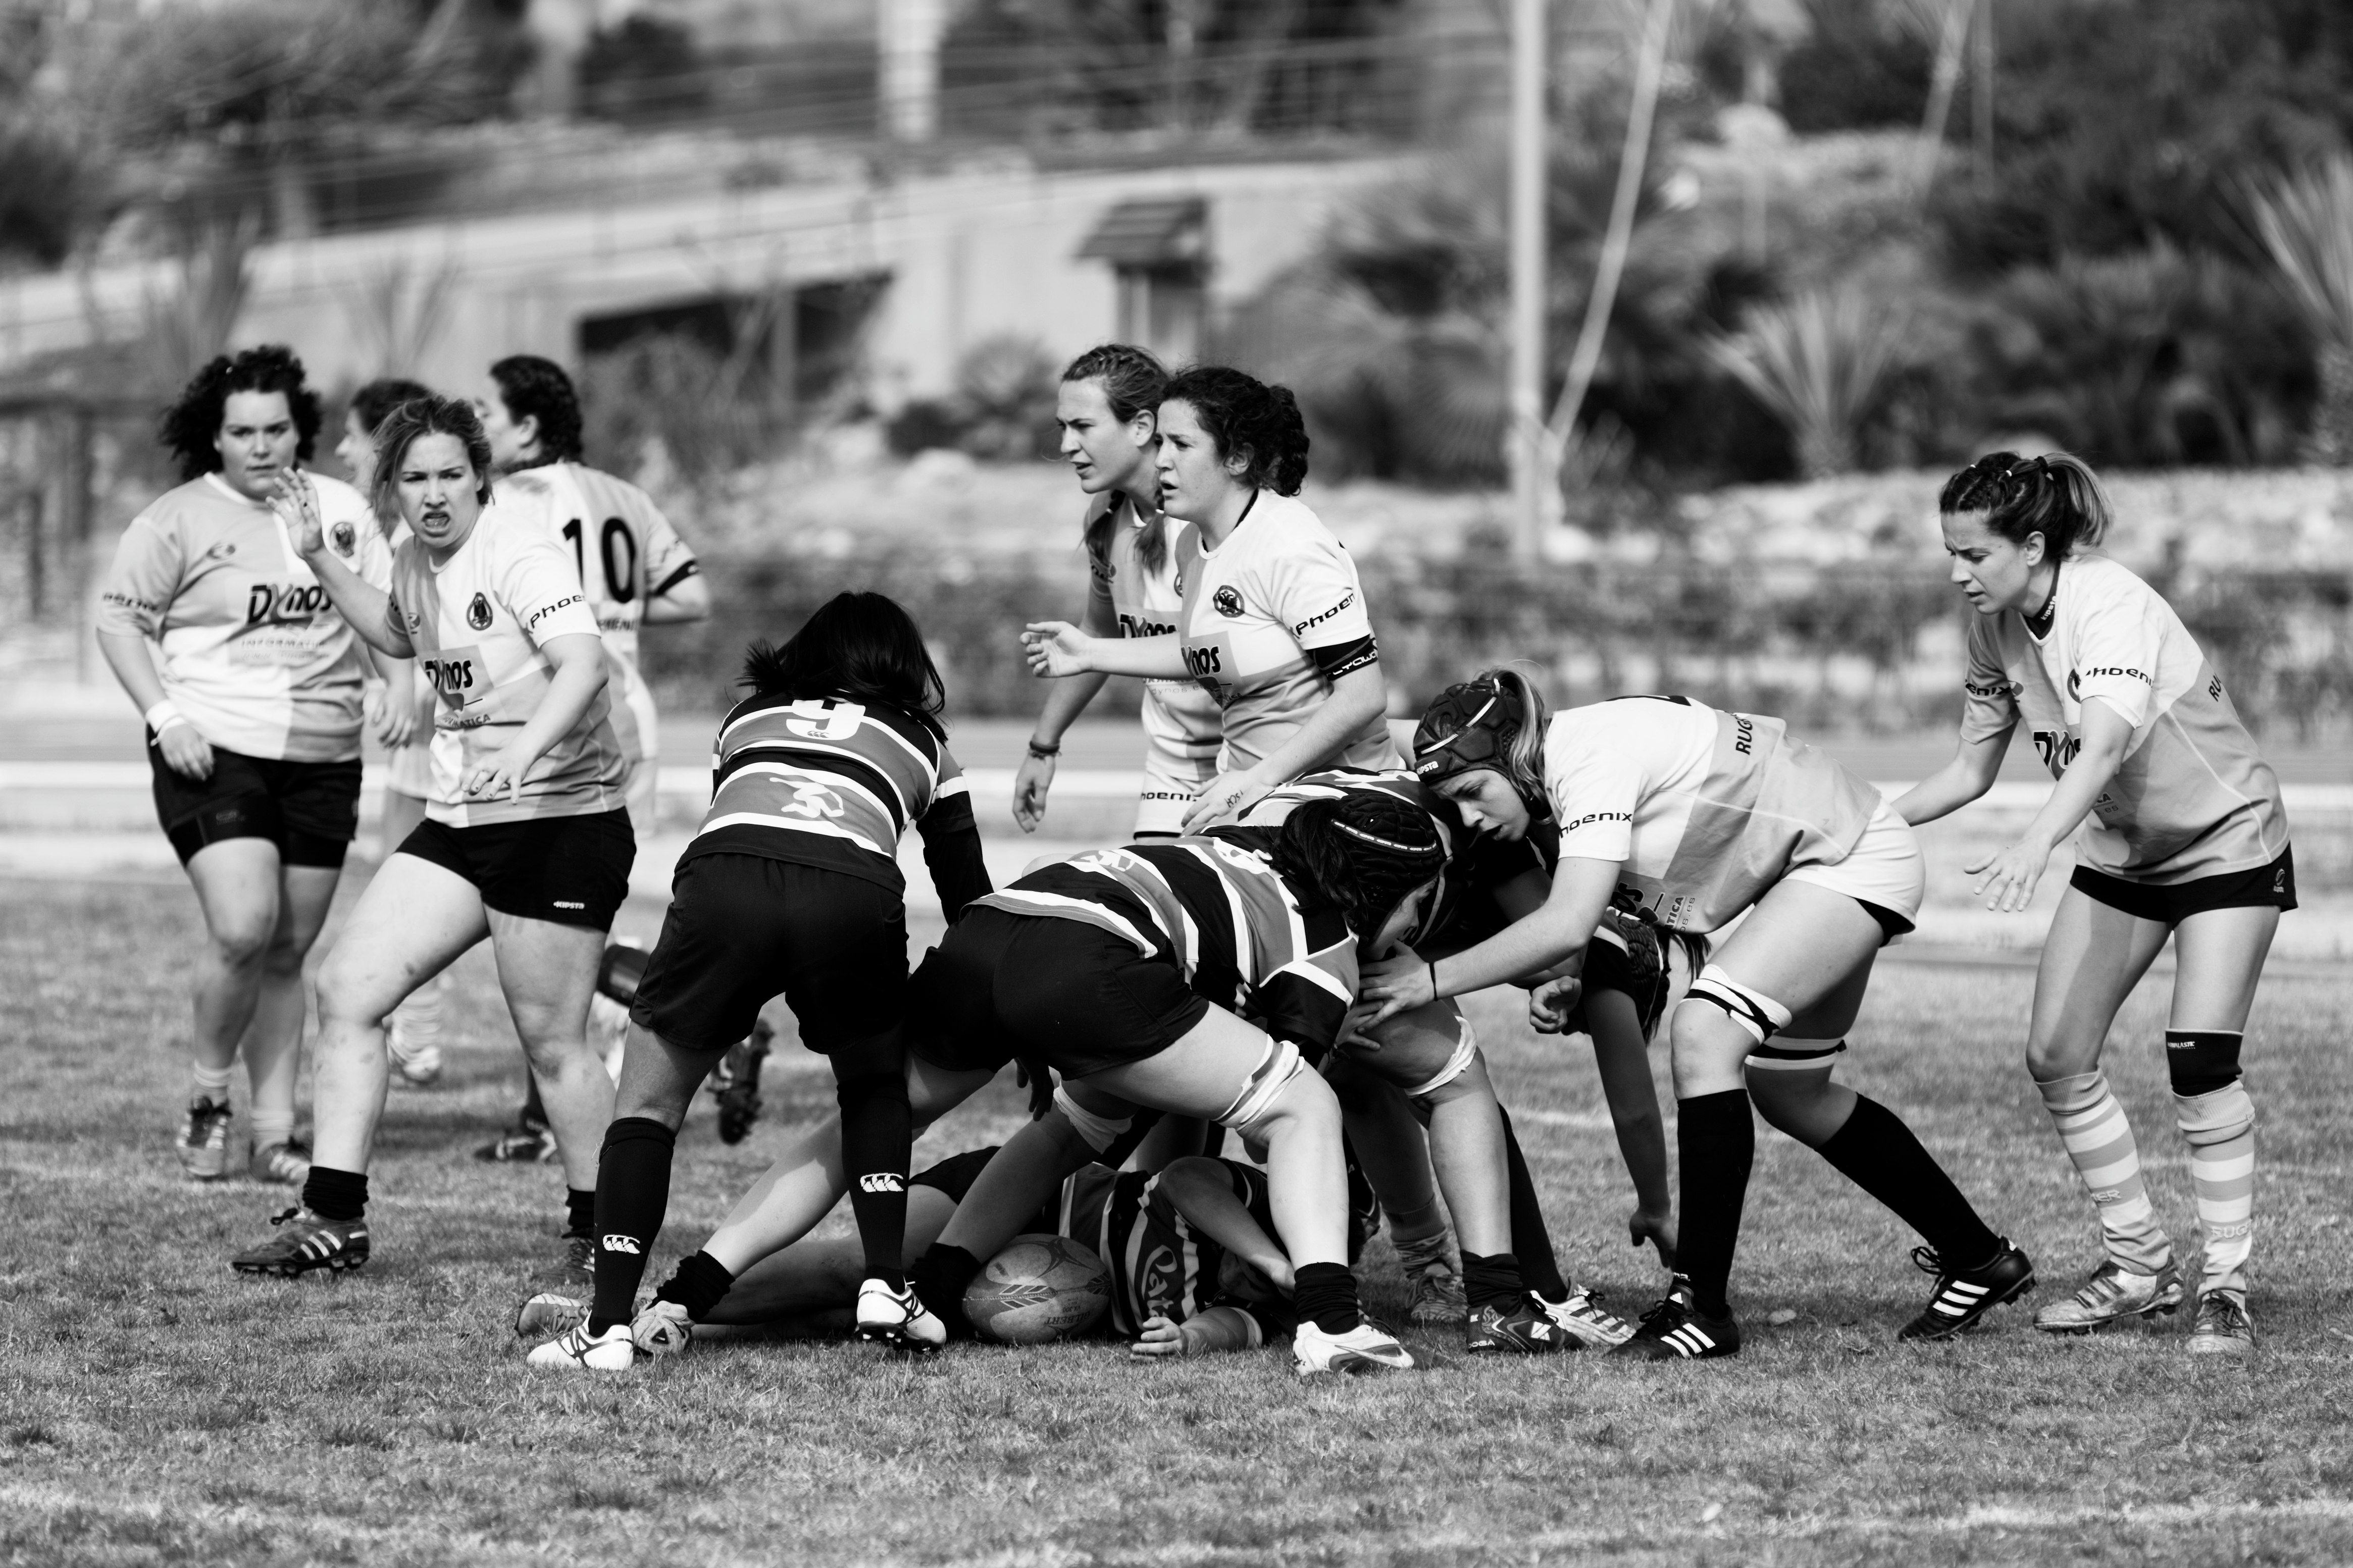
(525, 841)
(254, 690)
(793, 885)
(2178, 830)
(1108, 408)
(636, 571)
(1701, 816)
(1131, 972)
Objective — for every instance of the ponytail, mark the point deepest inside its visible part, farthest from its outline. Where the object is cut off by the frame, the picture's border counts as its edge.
(2055, 495)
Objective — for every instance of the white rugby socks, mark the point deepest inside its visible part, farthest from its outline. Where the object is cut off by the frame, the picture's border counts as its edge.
(2097, 1138)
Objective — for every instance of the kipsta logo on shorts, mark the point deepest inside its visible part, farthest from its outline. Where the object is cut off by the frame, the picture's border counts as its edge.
(1228, 601)
(477, 614)
(343, 538)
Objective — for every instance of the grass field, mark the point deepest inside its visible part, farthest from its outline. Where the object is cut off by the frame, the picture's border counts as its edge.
(153, 1407)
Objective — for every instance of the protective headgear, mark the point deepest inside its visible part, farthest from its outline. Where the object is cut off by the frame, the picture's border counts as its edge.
(1471, 724)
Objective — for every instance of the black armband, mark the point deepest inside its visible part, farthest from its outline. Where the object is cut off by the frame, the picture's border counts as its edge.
(1344, 658)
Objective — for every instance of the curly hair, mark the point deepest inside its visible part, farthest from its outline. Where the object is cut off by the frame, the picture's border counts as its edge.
(1247, 418)
(536, 388)
(857, 645)
(190, 428)
(411, 422)
(2055, 495)
(1361, 853)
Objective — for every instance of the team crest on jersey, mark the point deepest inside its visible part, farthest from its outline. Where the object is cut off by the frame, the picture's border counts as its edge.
(477, 614)
(1228, 601)
(341, 537)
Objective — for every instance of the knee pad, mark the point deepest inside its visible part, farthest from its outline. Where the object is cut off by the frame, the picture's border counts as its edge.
(1754, 1011)
(2215, 1117)
(1099, 1131)
(1797, 1055)
(861, 1089)
(2200, 1061)
(1466, 1051)
(1276, 1069)
(619, 971)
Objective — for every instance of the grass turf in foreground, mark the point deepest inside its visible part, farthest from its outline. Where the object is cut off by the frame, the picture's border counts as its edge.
(154, 1408)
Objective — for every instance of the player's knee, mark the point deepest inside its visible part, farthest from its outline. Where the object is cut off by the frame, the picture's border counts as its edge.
(1280, 1090)
(2200, 1061)
(1097, 1129)
(242, 940)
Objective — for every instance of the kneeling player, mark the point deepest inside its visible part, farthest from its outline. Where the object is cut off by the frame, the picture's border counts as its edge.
(793, 883)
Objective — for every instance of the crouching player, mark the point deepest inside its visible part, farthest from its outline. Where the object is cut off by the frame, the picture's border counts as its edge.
(794, 884)
(1191, 1252)
(1703, 815)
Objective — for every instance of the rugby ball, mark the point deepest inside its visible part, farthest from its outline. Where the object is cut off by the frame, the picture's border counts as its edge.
(1039, 1290)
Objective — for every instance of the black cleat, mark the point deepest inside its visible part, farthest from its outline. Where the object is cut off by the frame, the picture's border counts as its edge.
(1526, 1329)
(736, 1083)
(1675, 1331)
(527, 1142)
(306, 1241)
(1964, 1296)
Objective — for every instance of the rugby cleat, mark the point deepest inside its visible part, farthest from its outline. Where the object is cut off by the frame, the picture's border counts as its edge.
(1675, 1331)
(2223, 1327)
(1365, 1348)
(289, 1163)
(2113, 1294)
(1438, 1295)
(577, 1263)
(549, 1313)
(577, 1350)
(1964, 1296)
(897, 1319)
(1585, 1320)
(662, 1329)
(414, 1063)
(203, 1143)
(526, 1142)
(306, 1241)
(1526, 1329)
(735, 1083)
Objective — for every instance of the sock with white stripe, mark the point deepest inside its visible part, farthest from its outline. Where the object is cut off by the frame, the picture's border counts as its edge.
(2221, 1129)
(1878, 1153)
(208, 1083)
(2097, 1138)
(1716, 1140)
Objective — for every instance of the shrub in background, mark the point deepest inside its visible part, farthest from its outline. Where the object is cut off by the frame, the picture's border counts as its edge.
(1002, 408)
(1857, 67)
(2306, 221)
(1818, 363)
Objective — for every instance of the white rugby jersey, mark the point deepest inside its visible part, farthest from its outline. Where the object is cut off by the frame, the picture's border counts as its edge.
(1270, 619)
(255, 655)
(624, 551)
(1707, 810)
(2193, 797)
(1180, 718)
(478, 621)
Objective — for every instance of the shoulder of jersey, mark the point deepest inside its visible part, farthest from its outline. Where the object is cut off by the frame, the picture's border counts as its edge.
(2106, 576)
(1292, 516)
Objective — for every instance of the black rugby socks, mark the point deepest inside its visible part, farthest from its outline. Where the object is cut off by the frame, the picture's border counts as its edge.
(1492, 1279)
(939, 1277)
(339, 1195)
(632, 1196)
(1878, 1153)
(877, 1132)
(698, 1283)
(1326, 1295)
(1715, 1138)
(579, 1211)
(1531, 1240)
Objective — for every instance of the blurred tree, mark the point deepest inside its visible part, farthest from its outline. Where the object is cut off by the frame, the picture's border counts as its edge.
(645, 70)
(47, 188)
(1818, 363)
(1858, 65)
(2305, 222)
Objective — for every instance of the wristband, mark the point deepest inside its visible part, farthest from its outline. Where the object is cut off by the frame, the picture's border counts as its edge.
(163, 716)
(1044, 753)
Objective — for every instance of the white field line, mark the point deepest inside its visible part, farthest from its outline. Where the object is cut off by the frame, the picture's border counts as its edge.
(1104, 783)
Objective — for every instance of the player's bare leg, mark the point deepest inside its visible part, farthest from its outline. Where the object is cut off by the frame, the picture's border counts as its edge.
(240, 886)
(273, 1040)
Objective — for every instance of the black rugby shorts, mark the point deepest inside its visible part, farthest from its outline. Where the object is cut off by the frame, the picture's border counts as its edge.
(570, 870)
(309, 810)
(2171, 903)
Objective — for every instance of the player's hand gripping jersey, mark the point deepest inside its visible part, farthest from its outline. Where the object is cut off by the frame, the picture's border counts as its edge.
(834, 783)
(2193, 798)
(254, 654)
(625, 553)
(1221, 914)
(1271, 619)
(1707, 809)
(477, 622)
(1181, 719)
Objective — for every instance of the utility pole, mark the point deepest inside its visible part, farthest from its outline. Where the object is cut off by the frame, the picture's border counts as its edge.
(1525, 442)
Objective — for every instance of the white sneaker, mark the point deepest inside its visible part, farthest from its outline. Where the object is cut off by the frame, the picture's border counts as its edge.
(1585, 1320)
(662, 1329)
(608, 1032)
(898, 1319)
(1362, 1348)
(576, 1348)
(413, 1063)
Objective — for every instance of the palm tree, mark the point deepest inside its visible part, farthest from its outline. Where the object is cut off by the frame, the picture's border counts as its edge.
(1815, 364)
(2305, 222)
